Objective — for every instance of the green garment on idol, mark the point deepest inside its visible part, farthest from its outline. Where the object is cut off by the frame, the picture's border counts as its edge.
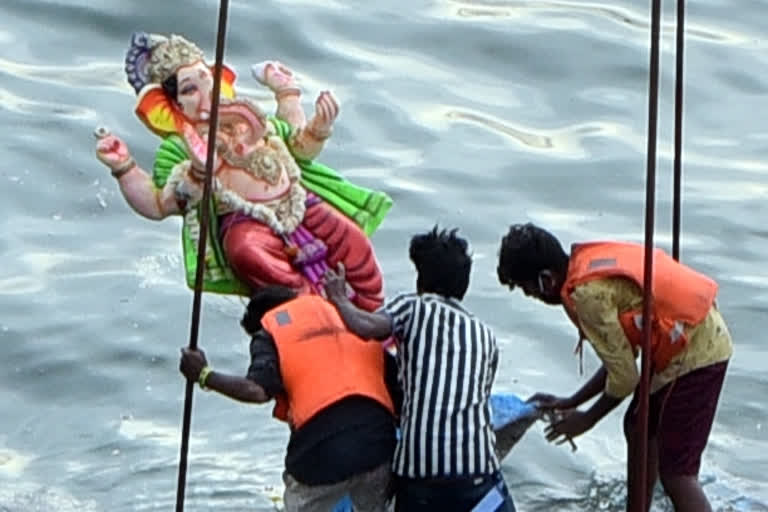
(367, 208)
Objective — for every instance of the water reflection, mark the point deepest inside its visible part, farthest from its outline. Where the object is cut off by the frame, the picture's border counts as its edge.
(633, 19)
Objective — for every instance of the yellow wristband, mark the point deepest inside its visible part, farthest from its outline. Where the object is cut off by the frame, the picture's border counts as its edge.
(204, 376)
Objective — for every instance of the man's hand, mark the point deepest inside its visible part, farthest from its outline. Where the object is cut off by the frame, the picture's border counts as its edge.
(336, 284)
(367, 325)
(192, 363)
(549, 402)
(572, 425)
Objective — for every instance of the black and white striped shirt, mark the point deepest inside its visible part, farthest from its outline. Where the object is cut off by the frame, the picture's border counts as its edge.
(447, 364)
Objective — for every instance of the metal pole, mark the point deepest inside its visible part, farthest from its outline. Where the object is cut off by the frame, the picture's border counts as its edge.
(678, 167)
(638, 494)
(204, 222)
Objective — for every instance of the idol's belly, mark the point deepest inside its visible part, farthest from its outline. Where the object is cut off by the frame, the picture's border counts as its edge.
(249, 187)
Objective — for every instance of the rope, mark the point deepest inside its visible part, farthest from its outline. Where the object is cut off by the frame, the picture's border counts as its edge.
(204, 222)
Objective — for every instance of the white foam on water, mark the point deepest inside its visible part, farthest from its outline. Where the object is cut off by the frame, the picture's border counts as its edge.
(28, 497)
(156, 433)
(13, 463)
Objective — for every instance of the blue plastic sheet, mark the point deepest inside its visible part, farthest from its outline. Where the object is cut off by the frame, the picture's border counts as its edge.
(508, 408)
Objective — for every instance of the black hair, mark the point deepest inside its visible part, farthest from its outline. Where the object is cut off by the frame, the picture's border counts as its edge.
(525, 251)
(442, 262)
(262, 301)
(171, 87)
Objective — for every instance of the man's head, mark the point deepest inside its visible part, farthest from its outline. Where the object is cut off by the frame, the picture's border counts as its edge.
(442, 263)
(533, 259)
(262, 301)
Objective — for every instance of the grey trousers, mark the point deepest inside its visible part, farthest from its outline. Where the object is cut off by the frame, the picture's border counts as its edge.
(368, 492)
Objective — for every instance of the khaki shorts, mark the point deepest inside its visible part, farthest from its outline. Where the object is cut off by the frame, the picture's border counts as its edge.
(368, 492)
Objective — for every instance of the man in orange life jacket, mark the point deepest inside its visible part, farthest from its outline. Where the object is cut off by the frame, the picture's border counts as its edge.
(329, 386)
(600, 287)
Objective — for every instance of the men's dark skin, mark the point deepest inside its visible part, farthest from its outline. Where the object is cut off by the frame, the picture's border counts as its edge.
(547, 289)
(531, 251)
(237, 388)
(369, 326)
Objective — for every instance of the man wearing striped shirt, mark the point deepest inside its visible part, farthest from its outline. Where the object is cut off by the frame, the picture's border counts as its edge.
(447, 364)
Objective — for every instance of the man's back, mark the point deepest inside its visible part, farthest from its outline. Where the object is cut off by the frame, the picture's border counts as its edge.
(321, 361)
(448, 360)
(598, 302)
(329, 385)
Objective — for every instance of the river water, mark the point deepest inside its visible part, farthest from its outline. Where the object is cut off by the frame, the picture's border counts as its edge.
(473, 113)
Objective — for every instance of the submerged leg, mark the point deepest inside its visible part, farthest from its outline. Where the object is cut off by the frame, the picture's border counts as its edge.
(686, 493)
(633, 454)
(686, 422)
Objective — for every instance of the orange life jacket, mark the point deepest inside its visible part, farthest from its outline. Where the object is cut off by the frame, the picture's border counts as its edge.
(681, 297)
(321, 361)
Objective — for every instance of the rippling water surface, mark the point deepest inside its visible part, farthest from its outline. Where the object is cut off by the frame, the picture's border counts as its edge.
(471, 113)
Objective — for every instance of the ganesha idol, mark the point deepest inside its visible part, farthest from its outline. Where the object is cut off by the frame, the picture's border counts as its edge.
(277, 216)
